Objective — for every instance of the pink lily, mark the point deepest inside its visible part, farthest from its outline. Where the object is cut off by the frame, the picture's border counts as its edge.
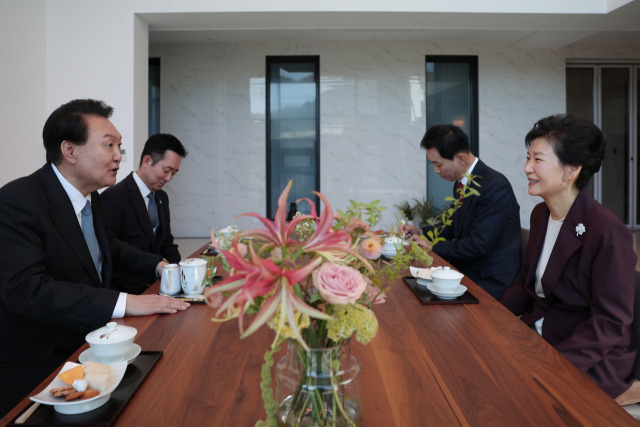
(260, 277)
(329, 243)
(278, 232)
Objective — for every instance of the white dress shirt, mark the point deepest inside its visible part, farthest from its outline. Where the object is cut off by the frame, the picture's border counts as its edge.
(78, 201)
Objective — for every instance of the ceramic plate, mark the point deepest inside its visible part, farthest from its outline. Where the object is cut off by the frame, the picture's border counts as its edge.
(79, 406)
(460, 290)
(131, 355)
(422, 274)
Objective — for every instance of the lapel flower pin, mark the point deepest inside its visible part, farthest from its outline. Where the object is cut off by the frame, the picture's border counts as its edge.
(580, 229)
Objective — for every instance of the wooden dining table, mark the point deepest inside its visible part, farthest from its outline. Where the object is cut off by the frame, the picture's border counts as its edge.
(429, 365)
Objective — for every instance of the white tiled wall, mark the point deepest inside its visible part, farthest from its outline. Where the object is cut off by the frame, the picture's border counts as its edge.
(372, 120)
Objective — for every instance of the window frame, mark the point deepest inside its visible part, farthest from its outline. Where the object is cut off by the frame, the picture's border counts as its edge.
(472, 62)
(289, 59)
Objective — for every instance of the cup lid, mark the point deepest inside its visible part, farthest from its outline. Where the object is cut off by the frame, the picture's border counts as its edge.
(193, 261)
(111, 333)
(447, 273)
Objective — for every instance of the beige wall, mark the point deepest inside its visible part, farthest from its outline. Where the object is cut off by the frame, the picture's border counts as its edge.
(22, 87)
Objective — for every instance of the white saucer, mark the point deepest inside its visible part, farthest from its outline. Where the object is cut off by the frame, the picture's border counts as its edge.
(423, 282)
(460, 290)
(389, 254)
(131, 355)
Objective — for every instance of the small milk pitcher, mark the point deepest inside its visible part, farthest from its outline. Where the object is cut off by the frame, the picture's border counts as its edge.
(170, 279)
(193, 275)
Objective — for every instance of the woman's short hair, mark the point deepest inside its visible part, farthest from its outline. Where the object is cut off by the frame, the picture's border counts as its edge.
(576, 142)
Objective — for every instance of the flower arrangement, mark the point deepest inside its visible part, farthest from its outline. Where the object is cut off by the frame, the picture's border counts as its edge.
(313, 281)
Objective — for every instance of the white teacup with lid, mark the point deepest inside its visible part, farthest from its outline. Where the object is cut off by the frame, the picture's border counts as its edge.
(112, 342)
(193, 275)
(391, 243)
(446, 280)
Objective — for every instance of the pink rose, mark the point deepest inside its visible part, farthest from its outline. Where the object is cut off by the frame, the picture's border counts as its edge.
(241, 248)
(339, 284)
(214, 299)
(375, 296)
(371, 248)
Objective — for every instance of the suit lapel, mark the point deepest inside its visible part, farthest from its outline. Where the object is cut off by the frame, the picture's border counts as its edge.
(468, 203)
(567, 243)
(64, 218)
(140, 208)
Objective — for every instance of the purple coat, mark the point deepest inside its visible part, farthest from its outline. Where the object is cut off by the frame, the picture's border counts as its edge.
(589, 283)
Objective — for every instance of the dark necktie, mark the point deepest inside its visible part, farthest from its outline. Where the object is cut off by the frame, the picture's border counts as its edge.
(90, 236)
(460, 187)
(153, 211)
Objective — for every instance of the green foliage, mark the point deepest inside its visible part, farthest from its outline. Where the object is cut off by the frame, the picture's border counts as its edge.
(407, 210)
(444, 220)
(426, 209)
(270, 405)
(368, 212)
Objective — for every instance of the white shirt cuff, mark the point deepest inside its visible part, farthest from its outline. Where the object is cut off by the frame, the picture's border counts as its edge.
(121, 305)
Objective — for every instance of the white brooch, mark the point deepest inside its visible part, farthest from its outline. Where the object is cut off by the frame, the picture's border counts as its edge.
(580, 229)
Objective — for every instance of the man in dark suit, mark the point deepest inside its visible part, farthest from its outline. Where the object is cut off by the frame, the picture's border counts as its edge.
(57, 255)
(484, 240)
(137, 209)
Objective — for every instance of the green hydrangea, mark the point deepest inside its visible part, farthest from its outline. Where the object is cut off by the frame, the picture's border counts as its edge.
(352, 318)
(305, 229)
(284, 329)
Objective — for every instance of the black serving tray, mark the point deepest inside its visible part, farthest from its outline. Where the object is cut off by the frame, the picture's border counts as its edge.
(107, 414)
(427, 297)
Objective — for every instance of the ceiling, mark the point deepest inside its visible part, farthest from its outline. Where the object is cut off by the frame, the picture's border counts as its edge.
(533, 30)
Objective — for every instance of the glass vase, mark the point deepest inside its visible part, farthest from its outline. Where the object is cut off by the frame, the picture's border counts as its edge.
(319, 387)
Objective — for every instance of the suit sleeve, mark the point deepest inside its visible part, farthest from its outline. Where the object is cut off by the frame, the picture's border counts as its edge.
(516, 298)
(126, 257)
(35, 280)
(611, 260)
(113, 211)
(491, 212)
(168, 248)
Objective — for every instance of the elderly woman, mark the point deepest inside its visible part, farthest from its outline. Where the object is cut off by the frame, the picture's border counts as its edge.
(577, 280)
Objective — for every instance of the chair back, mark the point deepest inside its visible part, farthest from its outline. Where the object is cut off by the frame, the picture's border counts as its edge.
(636, 321)
(524, 240)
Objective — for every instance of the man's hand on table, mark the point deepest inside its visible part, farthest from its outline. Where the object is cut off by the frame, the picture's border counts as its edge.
(414, 234)
(142, 305)
(159, 267)
(409, 230)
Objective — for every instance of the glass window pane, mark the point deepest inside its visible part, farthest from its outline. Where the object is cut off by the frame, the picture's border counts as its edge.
(154, 96)
(580, 96)
(615, 125)
(451, 91)
(637, 154)
(580, 83)
(293, 130)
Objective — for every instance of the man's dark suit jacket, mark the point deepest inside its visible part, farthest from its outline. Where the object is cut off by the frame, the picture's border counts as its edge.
(50, 293)
(589, 283)
(484, 240)
(128, 218)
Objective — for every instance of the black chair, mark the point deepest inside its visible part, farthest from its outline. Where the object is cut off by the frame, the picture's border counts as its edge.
(524, 239)
(636, 320)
